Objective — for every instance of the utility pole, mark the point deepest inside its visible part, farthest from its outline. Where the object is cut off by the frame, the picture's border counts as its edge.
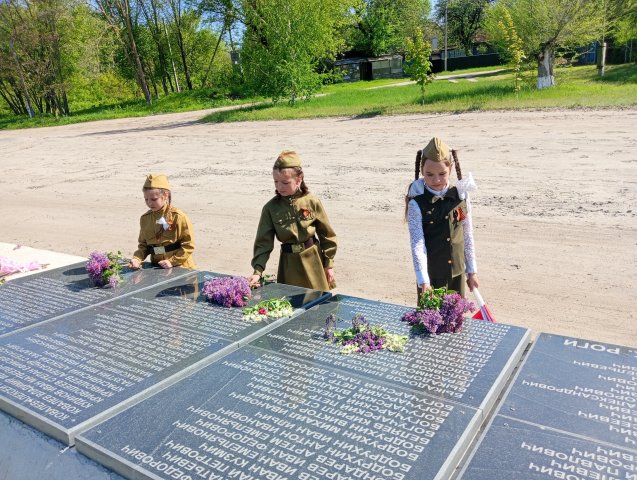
(446, 51)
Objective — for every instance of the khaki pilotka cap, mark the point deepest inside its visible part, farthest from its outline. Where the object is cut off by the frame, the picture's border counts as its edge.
(287, 159)
(157, 181)
(436, 150)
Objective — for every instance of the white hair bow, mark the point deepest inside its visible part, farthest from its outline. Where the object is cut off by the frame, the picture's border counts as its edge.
(466, 185)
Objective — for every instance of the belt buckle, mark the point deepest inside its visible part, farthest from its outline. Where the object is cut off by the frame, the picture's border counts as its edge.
(297, 247)
(159, 250)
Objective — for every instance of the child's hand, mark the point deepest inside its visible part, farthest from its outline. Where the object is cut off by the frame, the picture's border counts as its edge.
(254, 280)
(134, 263)
(329, 274)
(425, 286)
(165, 264)
(472, 281)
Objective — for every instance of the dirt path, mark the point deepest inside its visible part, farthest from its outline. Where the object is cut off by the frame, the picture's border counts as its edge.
(555, 214)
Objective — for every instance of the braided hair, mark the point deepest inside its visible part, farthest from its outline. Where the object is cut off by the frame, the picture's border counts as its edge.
(418, 159)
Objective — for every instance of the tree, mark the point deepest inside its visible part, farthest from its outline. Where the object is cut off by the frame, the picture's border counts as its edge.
(380, 27)
(545, 25)
(284, 43)
(464, 19)
(418, 52)
(32, 33)
(506, 38)
(118, 14)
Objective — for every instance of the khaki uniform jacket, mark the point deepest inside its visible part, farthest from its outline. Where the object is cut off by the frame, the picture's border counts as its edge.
(152, 233)
(295, 219)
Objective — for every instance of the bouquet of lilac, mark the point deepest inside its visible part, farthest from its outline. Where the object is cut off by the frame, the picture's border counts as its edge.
(362, 337)
(228, 291)
(439, 311)
(105, 269)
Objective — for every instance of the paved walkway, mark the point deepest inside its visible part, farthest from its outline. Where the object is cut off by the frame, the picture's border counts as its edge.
(452, 78)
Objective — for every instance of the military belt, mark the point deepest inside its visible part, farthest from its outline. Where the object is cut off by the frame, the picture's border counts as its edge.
(298, 247)
(157, 250)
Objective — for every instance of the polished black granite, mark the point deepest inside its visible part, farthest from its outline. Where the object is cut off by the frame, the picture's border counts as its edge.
(64, 375)
(468, 367)
(255, 414)
(579, 386)
(523, 451)
(35, 298)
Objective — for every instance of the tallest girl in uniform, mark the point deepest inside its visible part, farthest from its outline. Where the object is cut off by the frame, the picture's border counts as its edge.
(297, 219)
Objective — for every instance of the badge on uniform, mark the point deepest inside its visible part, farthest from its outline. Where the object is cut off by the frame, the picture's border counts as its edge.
(459, 215)
(165, 225)
(306, 213)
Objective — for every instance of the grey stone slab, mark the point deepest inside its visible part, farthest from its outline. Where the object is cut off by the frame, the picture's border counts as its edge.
(470, 367)
(578, 386)
(255, 414)
(26, 454)
(52, 293)
(67, 374)
(523, 451)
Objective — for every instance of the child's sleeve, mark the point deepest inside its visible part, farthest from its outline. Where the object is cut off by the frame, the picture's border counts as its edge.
(263, 242)
(186, 239)
(417, 238)
(142, 246)
(326, 236)
(469, 247)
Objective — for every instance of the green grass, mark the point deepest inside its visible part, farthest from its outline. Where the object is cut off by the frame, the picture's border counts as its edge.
(576, 87)
(177, 102)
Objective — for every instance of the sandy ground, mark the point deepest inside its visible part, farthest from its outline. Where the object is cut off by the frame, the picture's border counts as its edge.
(555, 213)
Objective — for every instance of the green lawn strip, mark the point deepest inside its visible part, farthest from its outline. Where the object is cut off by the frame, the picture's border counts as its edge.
(576, 87)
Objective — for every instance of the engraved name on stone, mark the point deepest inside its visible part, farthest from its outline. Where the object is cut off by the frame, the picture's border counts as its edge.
(307, 422)
(61, 374)
(38, 297)
(602, 463)
(612, 398)
(446, 363)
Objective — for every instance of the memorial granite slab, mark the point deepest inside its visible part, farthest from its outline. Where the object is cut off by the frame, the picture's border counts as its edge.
(65, 375)
(524, 451)
(578, 386)
(26, 454)
(52, 293)
(470, 367)
(255, 414)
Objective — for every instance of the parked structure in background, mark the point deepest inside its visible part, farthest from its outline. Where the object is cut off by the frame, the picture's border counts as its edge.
(370, 68)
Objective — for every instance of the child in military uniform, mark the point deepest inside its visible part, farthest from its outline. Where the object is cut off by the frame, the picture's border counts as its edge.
(165, 232)
(296, 218)
(440, 225)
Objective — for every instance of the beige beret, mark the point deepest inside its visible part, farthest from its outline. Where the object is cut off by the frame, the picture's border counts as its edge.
(157, 181)
(436, 150)
(287, 159)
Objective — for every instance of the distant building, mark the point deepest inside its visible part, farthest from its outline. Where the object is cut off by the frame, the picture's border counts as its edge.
(370, 68)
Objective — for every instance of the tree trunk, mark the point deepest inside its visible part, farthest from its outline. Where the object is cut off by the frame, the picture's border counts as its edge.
(27, 98)
(545, 68)
(137, 63)
(170, 51)
(182, 51)
(214, 54)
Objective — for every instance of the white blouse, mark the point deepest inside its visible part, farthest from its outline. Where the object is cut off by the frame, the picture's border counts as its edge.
(416, 232)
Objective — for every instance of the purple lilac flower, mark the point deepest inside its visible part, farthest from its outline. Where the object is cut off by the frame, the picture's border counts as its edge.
(359, 320)
(330, 325)
(97, 263)
(228, 291)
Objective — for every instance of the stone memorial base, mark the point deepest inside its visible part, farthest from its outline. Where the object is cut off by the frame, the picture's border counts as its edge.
(150, 380)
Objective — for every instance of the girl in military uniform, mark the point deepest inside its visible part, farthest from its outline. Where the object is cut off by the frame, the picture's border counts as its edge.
(165, 232)
(297, 219)
(440, 225)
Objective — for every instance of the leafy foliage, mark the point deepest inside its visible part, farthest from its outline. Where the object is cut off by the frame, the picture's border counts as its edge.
(284, 43)
(418, 53)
